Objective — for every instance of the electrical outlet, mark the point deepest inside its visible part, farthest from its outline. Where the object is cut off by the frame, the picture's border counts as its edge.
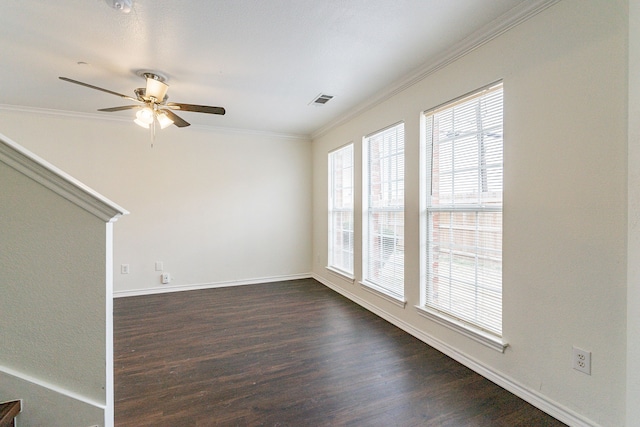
(166, 278)
(124, 269)
(582, 360)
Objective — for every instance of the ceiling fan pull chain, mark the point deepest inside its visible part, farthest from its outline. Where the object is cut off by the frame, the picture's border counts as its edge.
(152, 128)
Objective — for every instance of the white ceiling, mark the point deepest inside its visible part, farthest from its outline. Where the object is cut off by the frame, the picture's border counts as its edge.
(263, 60)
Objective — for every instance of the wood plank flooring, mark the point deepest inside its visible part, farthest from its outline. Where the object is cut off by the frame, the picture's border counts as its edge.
(290, 354)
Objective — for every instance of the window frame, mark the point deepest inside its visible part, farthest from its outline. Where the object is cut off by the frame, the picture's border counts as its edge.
(332, 210)
(376, 287)
(472, 330)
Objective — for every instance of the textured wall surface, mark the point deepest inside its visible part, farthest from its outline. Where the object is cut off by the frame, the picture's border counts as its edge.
(633, 270)
(565, 202)
(53, 255)
(55, 336)
(212, 206)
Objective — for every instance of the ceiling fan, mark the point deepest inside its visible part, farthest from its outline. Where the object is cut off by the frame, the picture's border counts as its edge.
(152, 103)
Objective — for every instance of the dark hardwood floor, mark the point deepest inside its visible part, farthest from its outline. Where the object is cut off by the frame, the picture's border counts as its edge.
(290, 354)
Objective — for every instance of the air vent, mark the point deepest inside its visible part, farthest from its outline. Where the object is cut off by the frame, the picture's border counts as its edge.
(321, 99)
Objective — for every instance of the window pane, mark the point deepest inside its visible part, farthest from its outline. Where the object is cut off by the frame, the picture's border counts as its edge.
(385, 251)
(383, 233)
(465, 267)
(464, 210)
(341, 209)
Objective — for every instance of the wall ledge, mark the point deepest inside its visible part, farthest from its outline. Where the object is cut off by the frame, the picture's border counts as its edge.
(45, 403)
(51, 387)
(41, 171)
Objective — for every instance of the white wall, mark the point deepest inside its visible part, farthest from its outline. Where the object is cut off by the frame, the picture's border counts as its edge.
(40, 279)
(215, 207)
(633, 279)
(55, 310)
(565, 206)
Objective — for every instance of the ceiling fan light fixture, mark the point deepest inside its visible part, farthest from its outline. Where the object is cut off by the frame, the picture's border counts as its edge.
(163, 119)
(144, 117)
(152, 103)
(141, 123)
(156, 89)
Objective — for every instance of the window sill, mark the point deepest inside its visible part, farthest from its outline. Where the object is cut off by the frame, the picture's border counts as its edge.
(469, 331)
(342, 274)
(376, 290)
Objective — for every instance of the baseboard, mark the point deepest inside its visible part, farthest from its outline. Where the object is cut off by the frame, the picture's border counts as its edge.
(193, 287)
(44, 403)
(538, 400)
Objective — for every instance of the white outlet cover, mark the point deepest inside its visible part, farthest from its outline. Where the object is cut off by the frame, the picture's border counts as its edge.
(581, 360)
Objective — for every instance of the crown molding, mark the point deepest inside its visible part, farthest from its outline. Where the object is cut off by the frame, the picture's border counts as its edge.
(497, 27)
(27, 163)
(121, 119)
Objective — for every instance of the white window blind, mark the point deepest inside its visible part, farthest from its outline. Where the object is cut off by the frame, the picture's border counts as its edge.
(383, 233)
(341, 209)
(464, 142)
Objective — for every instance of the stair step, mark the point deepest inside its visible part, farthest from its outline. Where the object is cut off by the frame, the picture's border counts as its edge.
(8, 411)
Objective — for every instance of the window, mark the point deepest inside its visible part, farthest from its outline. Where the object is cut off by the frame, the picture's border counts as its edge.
(383, 229)
(463, 218)
(341, 210)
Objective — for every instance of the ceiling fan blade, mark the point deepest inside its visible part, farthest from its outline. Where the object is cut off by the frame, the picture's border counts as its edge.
(126, 107)
(196, 108)
(66, 79)
(177, 120)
